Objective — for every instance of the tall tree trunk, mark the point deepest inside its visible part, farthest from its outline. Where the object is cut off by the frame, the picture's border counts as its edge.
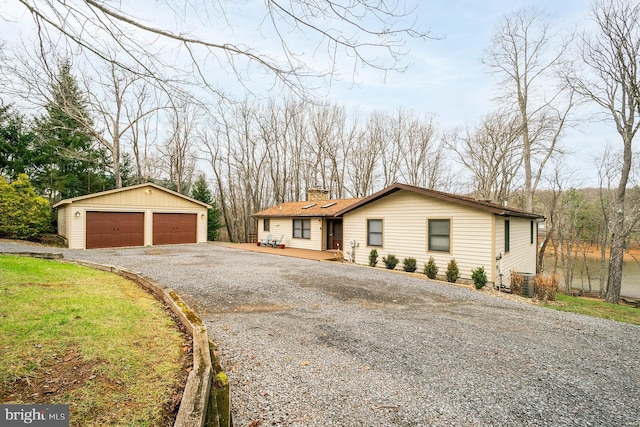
(619, 232)
(616, 258)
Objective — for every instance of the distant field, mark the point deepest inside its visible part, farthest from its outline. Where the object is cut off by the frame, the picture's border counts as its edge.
(90, 339)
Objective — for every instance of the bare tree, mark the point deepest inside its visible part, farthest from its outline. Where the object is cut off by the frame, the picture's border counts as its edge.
(569, 230)
(278, 131)
(117, 101)
(330, 144)
(120, 101)
(234, 149)
(179, 149)
(357, 31)
(608, 76)
(606, 167)
(420, 152)
(362, 165)
(492, 152)
(386, 131)
(521, 55)
(144, 136)
(549, 201)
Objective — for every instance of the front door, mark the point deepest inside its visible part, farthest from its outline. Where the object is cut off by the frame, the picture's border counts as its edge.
(335, 234)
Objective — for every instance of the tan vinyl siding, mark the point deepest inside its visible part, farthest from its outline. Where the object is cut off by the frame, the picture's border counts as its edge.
(76, 237)
(147, 199)
(405, 216)
(277, 228)
(202, 226)
(522, 256)
(142, 197)
(63, 221)
(284, 226)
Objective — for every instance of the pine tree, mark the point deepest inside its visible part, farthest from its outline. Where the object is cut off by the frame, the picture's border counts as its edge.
(200, 191)
(16, 144)
(70, 166)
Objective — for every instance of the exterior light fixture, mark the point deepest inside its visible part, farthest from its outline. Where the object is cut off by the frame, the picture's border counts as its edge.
(77, 214)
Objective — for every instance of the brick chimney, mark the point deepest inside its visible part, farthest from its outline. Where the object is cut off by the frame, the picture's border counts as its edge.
(317, 194)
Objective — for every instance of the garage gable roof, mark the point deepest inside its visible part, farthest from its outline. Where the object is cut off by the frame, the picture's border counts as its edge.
(149, 185)
(494, 208)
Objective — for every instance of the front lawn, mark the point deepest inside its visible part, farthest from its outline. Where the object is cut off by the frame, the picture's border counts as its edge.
(597, 308)
(90, 339)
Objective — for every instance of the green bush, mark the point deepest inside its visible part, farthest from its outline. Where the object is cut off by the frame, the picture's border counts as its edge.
(373, 257)
(390, 261)
(430, 268)
(479, 277)
(409, 265)
(23, 214)
(453, 272)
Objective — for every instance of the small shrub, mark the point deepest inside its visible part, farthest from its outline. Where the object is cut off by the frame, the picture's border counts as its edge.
(517, 281)
(430, 268)
(545, 287)
(23, 214)
(409, 265)
(373, 257)
(479, 277)
(390, 261)
(453, 272)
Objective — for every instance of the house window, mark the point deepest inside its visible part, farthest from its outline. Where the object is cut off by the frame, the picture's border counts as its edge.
(301, 228)
(507, 235)
(532, 233)
(266, 224)
(439, 235)
(374, 232)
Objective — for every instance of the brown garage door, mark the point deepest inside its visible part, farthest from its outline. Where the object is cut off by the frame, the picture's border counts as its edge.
(115, 229)
(171, 228)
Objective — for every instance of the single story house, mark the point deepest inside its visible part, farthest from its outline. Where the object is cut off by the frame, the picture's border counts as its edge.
(141, 215)
(411, 222)
(311, 224)
(419, 223)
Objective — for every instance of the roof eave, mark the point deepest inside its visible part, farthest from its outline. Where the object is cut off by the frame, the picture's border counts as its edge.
(132, 187)
(437, 195)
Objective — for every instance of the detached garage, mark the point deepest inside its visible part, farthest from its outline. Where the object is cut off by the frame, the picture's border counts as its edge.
(140, 215)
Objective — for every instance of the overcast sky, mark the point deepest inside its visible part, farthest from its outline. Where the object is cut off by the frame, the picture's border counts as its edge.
(449, 80)
(446, 78)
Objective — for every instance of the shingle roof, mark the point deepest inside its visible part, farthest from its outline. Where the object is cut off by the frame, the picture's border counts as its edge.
(132, 187)
(320, 208)
(453, 198)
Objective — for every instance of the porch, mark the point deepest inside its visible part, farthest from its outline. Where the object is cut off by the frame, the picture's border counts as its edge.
(332, 255)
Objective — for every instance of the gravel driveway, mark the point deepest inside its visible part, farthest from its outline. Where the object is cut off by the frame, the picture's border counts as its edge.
(310, 343)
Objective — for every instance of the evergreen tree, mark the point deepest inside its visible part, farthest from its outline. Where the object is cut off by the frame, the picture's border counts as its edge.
(16, 144)
(69, 165)
(200, 191)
